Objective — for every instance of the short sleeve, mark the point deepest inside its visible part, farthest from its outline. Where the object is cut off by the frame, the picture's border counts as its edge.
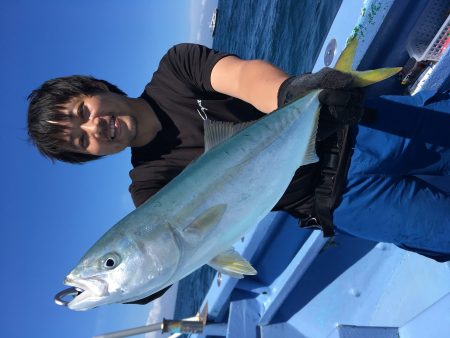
(147, 179)
(191, 64)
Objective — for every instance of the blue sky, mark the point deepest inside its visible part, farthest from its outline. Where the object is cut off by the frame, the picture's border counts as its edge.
(52, 213)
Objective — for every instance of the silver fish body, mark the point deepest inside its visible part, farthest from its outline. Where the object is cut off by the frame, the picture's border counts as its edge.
(201, 213)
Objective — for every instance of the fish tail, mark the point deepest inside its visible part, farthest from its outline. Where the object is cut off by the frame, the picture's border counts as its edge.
(368, 77)
(361, 78)
(345, 60)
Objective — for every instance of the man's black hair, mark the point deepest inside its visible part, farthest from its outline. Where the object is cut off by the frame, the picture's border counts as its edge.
(45, 104)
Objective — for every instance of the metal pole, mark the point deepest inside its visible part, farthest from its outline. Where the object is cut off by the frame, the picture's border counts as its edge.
(182, 326)
(132, 332)
(215, 329)
(172, 326)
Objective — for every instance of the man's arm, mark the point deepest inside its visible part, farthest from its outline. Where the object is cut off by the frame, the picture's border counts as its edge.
(255, 81)
(267, 87)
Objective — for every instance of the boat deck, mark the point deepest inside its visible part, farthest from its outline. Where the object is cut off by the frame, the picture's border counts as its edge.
(310, 287)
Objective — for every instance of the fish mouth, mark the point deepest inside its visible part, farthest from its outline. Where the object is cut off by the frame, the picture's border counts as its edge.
(88, 293)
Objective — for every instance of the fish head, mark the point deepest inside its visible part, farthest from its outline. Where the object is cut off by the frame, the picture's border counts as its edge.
(122, 267)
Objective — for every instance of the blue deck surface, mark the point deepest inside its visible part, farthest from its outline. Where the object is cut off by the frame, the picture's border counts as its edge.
(308, 287)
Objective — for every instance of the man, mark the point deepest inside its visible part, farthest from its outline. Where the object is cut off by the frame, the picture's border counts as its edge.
(77, 119)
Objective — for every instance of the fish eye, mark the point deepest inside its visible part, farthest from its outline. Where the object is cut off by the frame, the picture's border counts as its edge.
(110, 261)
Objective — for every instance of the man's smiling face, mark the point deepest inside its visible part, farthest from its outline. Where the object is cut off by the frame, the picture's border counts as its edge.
(100, 124)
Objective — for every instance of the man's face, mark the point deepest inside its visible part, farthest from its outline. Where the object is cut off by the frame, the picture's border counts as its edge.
(101, 124)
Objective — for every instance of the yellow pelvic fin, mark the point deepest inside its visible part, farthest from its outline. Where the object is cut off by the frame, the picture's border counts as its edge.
(232, 263)
(361, 78)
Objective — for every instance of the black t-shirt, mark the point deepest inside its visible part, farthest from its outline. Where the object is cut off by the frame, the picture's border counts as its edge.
(181, 95)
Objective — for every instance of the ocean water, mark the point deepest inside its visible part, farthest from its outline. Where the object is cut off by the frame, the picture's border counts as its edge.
(287, 33)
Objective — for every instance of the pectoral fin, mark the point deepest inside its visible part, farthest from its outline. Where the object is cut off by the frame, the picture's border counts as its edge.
(361, 78)
(202, 225)
(232, 263)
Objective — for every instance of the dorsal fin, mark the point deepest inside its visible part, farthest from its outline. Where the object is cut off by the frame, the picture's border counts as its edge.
(218, 131)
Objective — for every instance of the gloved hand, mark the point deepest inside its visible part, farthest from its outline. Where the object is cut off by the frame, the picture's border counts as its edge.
(338, 98)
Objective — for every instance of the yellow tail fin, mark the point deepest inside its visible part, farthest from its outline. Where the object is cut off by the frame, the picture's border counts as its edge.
(364, 78)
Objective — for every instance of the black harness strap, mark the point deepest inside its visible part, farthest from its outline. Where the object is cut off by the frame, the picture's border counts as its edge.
(334, 153)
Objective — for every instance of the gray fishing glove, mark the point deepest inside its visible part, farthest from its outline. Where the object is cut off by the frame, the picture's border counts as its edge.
(338, 98)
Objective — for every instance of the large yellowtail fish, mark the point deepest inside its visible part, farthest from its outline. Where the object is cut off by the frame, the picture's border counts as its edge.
(196, 219)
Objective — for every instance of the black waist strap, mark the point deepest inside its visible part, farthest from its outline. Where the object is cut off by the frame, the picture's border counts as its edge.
(334, 154)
